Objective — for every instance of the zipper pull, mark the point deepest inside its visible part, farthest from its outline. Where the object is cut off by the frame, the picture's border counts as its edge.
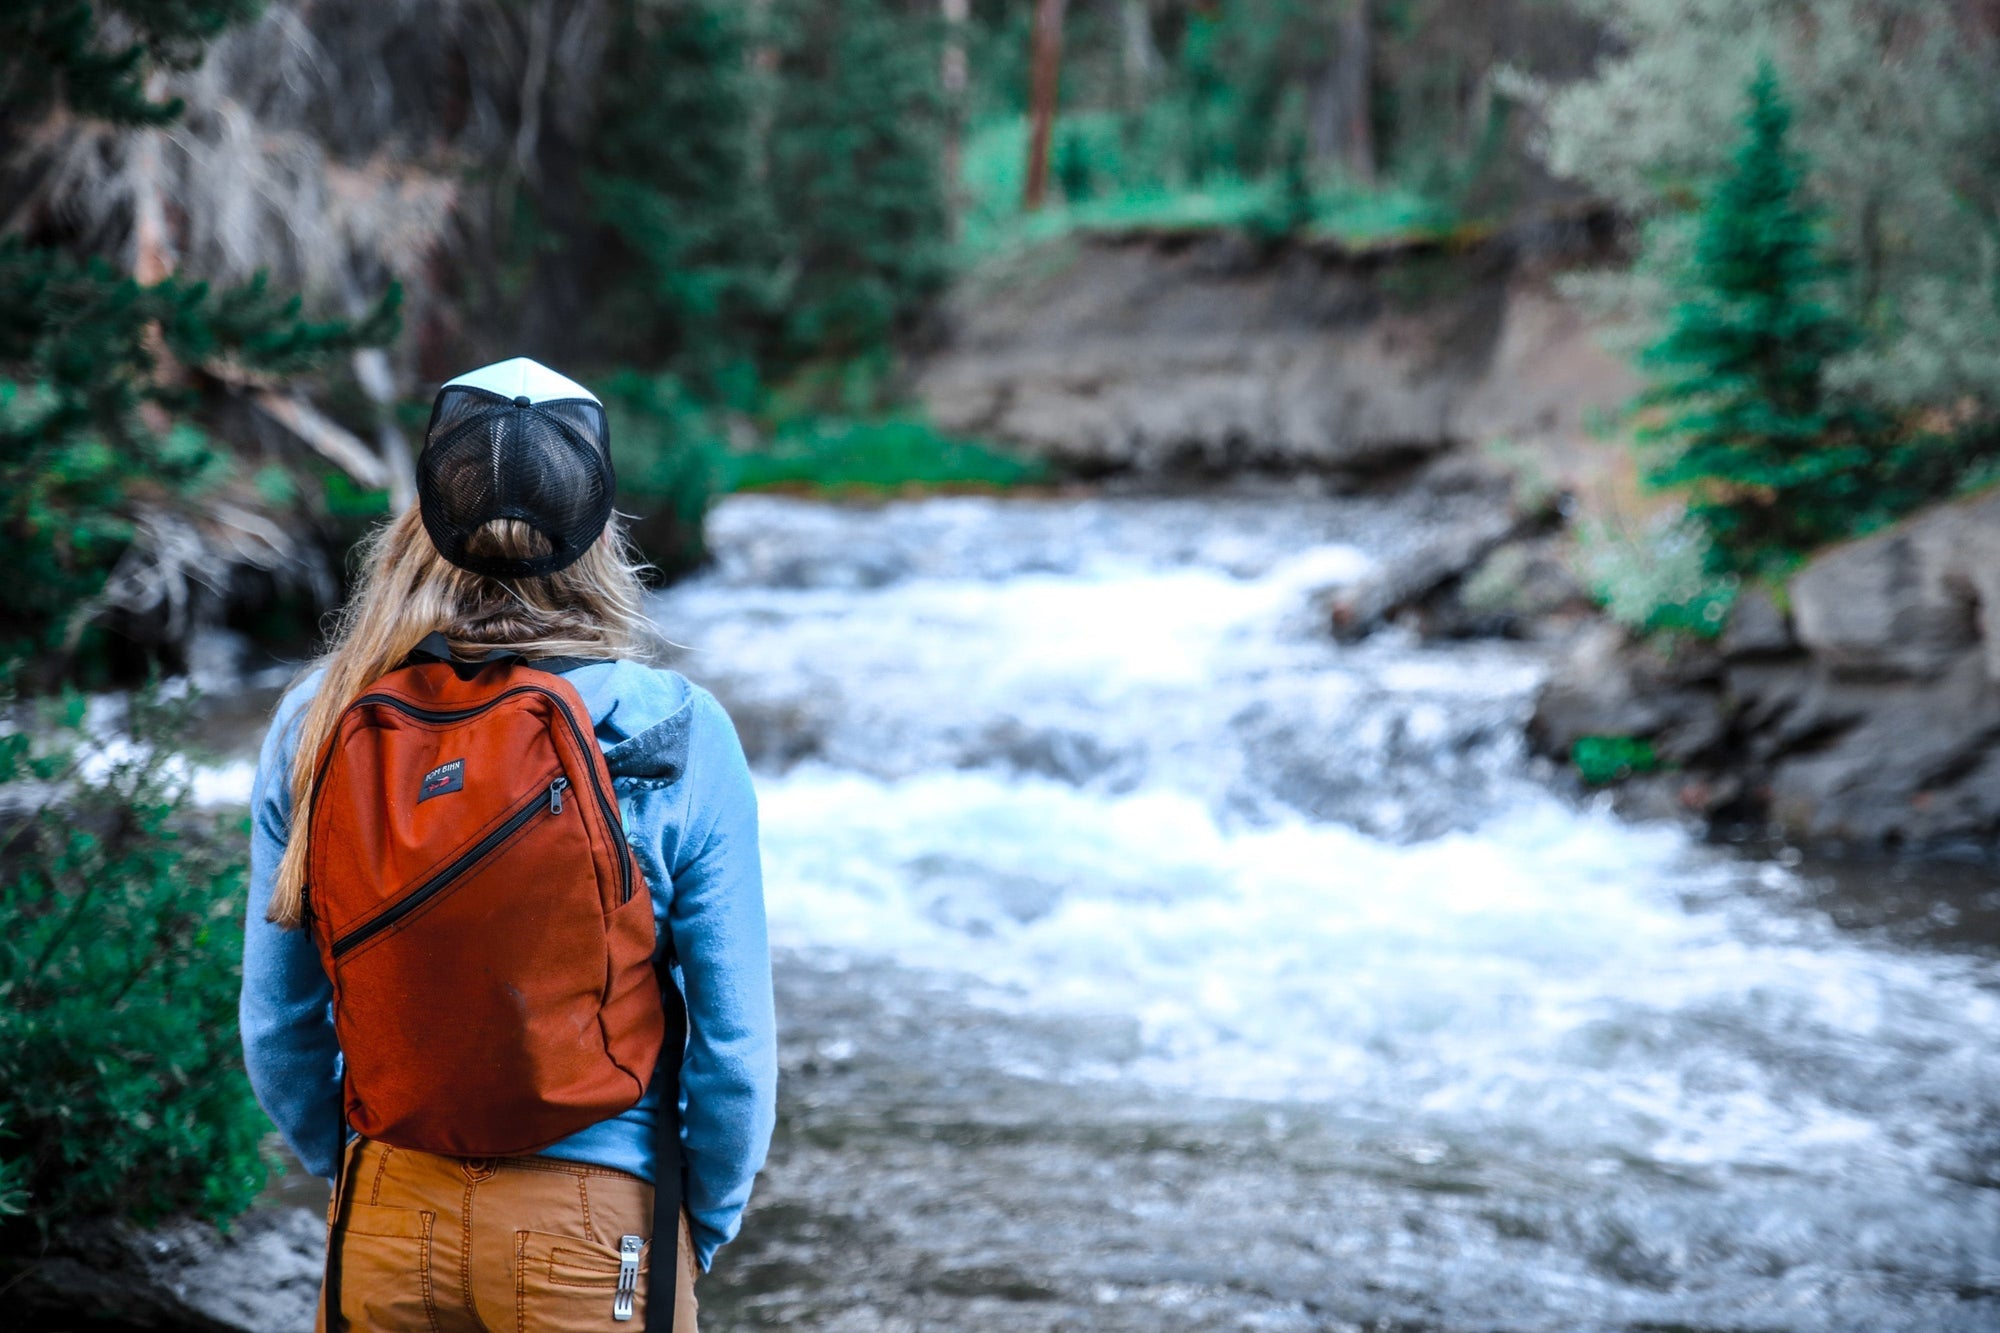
(628, 1277)
(555, 795)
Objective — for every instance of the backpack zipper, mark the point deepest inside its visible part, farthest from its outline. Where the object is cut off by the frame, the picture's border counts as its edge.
(549, 799)
(583, 739)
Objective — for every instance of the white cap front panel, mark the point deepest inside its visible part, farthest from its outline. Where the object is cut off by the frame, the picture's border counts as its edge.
(524, 378)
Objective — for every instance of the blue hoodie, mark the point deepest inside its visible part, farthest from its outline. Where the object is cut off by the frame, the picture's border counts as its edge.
(691, 815)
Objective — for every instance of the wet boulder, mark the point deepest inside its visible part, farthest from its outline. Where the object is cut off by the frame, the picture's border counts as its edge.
(1606, 684)
(1758, 627)
(1908, 602)
(1893, 763)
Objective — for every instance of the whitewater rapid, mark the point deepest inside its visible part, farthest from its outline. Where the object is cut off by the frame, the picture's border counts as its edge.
(1096, 760)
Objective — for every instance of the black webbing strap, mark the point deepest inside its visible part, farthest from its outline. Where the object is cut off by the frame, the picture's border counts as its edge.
(560, 665)
(668, 1189)
(435, 647)
(330, 1287)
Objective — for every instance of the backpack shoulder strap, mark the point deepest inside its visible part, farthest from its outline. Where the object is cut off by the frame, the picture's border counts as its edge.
(564, 665)
(669, 1167)
(434, 647)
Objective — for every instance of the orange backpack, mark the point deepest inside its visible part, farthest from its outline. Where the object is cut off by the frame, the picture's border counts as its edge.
(487, 931)
(483, 920)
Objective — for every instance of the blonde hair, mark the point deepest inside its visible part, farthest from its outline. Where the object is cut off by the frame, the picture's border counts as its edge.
(593, 608)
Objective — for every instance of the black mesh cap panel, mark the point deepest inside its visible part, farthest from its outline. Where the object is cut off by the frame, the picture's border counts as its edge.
(487, 457)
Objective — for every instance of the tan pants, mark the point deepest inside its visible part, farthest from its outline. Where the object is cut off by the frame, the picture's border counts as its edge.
(523, 1244)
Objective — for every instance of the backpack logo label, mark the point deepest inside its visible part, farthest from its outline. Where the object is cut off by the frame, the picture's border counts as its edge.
(444, 778)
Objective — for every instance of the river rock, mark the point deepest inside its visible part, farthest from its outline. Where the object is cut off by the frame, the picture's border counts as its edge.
(1909, 601)
(1758, 626)
(1357, 609)
(1896, 764)
(261, 1276)
(1606, 684)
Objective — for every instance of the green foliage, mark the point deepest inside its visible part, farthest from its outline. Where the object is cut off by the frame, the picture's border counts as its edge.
(96, 420)
(1292, 208)
(1124, 194)
(1234, 114)
(664, 445)
(672, 176)
(854, 162)
(1604, 759)
(1660, 580)
(121, 1085)
(759, 216)
(81, 402)
(881, 454)
(1774, 466)
(1076, 177)
(1897, 119)
(55, 51)
(675, 451)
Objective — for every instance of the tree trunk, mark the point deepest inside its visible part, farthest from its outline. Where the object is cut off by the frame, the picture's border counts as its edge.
(377, 379)
(1139, 55)
(1326, 138)
(1042, 96)
(1982, 15)
(952, 74)
(153, 255)
(1356, 57)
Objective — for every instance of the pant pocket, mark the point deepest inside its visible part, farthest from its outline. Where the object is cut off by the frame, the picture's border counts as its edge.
(567, 1283)
(385, 1268)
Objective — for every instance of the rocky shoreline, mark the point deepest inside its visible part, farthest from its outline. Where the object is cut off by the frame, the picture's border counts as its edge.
(1855, 710)
(1209, 352)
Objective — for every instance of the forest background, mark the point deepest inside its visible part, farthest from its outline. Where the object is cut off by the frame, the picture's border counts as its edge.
(243, 242)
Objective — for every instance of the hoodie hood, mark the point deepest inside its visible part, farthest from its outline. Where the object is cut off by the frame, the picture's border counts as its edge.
(641, 716)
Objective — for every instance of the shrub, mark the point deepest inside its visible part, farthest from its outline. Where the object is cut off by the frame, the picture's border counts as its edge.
(1658, 580)
(121, 1084)
(664, 445)
(1603, 759)
(882, 454)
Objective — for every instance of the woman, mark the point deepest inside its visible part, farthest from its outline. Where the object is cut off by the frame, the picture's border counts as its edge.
(513, 546)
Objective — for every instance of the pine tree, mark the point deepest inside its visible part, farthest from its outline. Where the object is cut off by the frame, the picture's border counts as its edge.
(672, 177)
(54, 51)
(81, 344)
(1774, 465)
(855, 145)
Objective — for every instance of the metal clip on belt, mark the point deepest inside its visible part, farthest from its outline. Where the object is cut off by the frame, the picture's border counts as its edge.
(628, 1276)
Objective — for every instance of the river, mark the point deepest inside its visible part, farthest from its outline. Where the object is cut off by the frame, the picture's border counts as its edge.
(1148, 960)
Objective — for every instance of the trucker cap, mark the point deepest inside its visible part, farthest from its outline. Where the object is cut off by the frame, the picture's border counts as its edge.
(515, 440)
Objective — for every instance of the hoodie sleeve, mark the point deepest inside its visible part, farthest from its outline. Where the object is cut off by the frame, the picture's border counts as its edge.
(730, 1073)
(285, 1010)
